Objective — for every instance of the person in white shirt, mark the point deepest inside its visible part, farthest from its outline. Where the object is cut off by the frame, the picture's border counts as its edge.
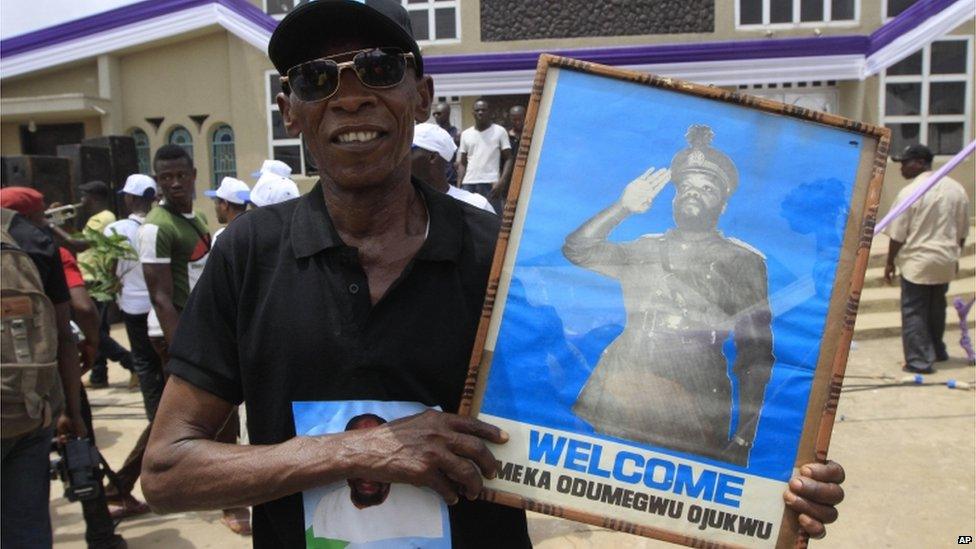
(485, 155)
(230, 201)
(138, 195)
(926, 241)
(433, 149)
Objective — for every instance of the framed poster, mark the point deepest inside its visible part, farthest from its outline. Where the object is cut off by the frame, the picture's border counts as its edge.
(671, 303)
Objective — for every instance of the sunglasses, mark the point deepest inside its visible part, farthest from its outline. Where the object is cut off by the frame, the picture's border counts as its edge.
(318, 79)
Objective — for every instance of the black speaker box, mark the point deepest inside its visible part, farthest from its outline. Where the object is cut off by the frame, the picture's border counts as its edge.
(122, 156)
(50, 175)
(88, 163)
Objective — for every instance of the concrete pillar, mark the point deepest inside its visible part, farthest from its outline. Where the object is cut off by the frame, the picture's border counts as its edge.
(110, 87)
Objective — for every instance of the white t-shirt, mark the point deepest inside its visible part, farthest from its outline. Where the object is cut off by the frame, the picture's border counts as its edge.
(407, 512)
(474, 199)
(484, 152)
(134, 298)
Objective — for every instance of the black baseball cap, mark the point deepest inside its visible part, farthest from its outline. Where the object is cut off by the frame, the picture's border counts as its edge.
(97, 188)
(914, 151)
(301, 33)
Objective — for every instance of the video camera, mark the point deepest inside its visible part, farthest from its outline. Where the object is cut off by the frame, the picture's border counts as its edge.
(77, 466)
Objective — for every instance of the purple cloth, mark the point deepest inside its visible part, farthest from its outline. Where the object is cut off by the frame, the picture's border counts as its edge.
(962, 308)
(899, 208)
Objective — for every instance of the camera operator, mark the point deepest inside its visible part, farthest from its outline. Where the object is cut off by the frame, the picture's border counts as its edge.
(25, 471)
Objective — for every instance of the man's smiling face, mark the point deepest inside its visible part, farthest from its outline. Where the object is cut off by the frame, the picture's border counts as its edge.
(361, 135)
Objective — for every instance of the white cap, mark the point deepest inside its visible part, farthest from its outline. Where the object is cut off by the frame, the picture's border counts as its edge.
(138, 184)
(272, 189)
(434, 138)
(231, 190)
(276, 167)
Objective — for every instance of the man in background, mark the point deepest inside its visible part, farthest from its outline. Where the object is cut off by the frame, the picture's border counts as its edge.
(99, 525)
(95, 197)
(516, 121)
(926, 241)
(442, 116)
(230, 200)
(174, 244)
(433, 149)
(138, 194)
(484, 147)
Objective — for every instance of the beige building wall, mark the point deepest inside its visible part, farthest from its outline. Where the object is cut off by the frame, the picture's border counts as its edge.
(9, 139)
(10, 131)
(78, 79)
(217, 75)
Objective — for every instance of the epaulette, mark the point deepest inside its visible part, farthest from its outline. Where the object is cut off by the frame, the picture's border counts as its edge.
(742, 244)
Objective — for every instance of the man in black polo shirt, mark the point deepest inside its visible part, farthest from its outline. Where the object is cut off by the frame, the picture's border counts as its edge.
(363, 294)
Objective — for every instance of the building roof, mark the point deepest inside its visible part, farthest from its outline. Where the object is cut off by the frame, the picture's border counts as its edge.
(128, 26)
(719, 62)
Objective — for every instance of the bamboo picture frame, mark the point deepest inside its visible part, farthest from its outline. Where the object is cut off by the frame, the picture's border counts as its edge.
(661, 236)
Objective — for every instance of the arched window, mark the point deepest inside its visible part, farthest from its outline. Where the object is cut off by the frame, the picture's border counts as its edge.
(224, 163)
(142, 150)
(181, 136)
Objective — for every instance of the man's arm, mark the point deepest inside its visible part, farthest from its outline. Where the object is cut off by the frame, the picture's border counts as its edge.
(70, 374)
(76, 245)
(462, 167)
(588, 247)
(508, 161)
(85, 314)
(159, 282)
(185, 469)
(889, 271)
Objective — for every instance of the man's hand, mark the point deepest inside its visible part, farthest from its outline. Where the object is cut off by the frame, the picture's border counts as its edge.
(87, 352)
(444, 452)
(814, 494)
(74, 426)
(889, 272)
(639, 193)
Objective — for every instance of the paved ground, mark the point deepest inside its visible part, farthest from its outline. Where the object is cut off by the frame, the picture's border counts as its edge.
(909, 451)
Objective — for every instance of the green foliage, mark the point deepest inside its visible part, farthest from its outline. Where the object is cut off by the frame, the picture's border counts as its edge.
(312, 542)
(105, 252)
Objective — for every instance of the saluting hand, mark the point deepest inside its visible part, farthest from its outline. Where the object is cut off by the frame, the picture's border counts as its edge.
(640, 193)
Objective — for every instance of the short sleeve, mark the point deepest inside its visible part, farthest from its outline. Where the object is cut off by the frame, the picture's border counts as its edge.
(205, 350)
(503, 140)
(72, 274)
(155, 245)
(99, 221)
(897, 230)
(463, 146)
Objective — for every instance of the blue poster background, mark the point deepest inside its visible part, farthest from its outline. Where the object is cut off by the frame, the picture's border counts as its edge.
(796, 181)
